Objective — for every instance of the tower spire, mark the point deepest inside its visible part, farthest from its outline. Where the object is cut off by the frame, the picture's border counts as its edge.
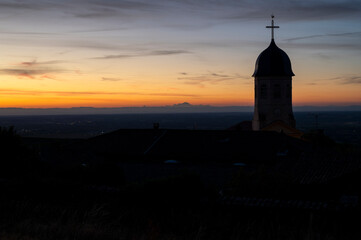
(272, 26)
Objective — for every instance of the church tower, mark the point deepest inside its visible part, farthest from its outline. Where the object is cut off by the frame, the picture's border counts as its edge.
(273, 87)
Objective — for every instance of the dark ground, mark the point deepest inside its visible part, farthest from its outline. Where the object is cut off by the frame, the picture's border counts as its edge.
(43, 200)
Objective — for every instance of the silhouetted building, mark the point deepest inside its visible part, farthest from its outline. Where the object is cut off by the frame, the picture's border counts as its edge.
(273, 88)
(191, 146)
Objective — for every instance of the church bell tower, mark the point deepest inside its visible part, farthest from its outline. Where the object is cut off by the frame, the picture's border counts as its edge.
(273, 87)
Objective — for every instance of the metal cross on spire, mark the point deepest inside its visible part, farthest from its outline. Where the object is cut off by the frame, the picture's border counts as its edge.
(273, 26)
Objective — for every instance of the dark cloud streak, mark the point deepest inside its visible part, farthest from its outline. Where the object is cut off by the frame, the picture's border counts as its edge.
(354, 79)
(111, 79)
(36, 63)
(324, 35)
(297, 10)
(120, 56)
(33, 69)
(145, 54)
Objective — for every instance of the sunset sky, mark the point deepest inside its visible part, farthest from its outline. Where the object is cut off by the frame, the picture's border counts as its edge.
(115, 53)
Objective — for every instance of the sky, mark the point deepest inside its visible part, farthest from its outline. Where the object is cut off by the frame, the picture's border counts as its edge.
(118, 53)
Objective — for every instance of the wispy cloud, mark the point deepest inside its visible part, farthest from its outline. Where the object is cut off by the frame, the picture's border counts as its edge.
(325, 57)
(36, 63)
(144, 54)
(33, 70)
(25, 73)
(166, 52)
(20, 5)
(97, 30)
(352, 79)
(119, 56)
(107, 8)
(127, 10)
(339, 45)
(208, 78)
(84, 93)
(317, 10)
(305, 10)
(111, 79)
(324, 35)
(98, 13)
(90, 44)
(29, 33)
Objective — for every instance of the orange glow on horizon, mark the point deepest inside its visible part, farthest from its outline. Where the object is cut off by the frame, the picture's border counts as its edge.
(118, 96)
(167, 89)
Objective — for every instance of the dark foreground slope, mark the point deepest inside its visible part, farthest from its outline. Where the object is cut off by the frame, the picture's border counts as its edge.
(179, 184)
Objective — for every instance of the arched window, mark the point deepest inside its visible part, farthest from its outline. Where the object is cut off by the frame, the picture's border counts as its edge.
(263, 91)
(276, 91)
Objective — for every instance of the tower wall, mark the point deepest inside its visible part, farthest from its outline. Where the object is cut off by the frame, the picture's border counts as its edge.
(273, 101)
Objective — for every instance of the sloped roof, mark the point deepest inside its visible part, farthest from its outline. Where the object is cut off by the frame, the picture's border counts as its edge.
(304, 164)
(273, 61)
(281, 126)
(191, 145)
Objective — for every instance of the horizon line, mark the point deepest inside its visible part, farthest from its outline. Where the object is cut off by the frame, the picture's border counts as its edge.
(176, 108)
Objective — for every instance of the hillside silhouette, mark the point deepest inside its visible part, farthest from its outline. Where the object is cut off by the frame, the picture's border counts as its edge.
(163, 183)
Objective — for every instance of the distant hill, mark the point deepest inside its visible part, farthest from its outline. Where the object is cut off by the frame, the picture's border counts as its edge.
(176, 108)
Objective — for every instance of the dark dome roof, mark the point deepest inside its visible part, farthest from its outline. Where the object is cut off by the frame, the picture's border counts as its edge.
(273, 61)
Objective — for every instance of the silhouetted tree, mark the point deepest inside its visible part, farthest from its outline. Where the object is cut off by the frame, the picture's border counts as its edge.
(15, 159)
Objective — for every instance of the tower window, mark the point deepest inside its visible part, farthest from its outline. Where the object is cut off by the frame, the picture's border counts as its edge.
(288, 91)
(263, 91)
(277, 91)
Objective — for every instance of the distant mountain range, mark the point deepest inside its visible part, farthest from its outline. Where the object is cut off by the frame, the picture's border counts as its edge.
(176, 108)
